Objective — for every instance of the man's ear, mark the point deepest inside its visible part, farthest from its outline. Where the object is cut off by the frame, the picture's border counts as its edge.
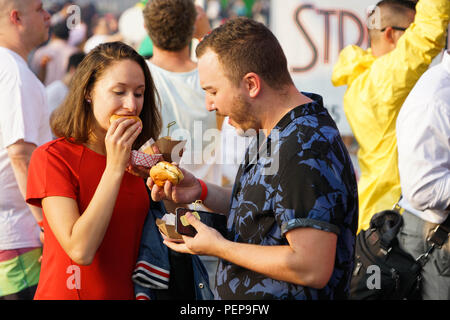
(14, 17)
(389, 35)
(252, 83)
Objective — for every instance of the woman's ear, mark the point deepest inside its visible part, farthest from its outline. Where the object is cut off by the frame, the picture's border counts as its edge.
(252, 83)
(87, 96)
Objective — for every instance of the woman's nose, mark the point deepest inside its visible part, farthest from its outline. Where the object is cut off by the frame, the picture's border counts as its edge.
(130, 103)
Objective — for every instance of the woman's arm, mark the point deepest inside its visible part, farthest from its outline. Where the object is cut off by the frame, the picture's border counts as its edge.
(80, 235)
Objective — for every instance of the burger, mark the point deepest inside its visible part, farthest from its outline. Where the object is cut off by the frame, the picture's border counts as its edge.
(165, 171)
(116, 116)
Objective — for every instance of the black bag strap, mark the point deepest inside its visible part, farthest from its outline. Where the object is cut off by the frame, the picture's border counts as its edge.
(440, 234)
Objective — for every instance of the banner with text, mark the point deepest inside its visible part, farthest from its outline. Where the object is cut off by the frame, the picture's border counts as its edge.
(312, 33)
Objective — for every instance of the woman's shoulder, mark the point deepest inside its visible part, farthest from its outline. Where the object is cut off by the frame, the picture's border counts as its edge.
(60, 148)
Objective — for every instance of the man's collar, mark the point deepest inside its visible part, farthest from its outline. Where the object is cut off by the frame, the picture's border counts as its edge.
(313, 107)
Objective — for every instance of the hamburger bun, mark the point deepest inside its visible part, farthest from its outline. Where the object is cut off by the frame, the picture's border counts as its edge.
(116, 116)
(164, 171)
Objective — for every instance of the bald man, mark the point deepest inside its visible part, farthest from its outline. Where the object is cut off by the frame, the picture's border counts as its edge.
(405, 38)
(24, 25)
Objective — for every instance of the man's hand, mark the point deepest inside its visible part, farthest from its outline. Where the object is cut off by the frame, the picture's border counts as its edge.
(207, 241)
(187, 191)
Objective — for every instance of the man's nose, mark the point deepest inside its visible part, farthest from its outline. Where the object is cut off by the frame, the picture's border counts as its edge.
(210, 106)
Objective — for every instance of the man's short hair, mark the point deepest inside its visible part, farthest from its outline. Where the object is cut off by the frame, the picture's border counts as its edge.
(60, 30)
(170, 23)
(392, 13)
(243, 46)
(398, 4)
(75, 59)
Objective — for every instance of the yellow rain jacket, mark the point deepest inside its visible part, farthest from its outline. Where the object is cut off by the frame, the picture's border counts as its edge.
(377, 88)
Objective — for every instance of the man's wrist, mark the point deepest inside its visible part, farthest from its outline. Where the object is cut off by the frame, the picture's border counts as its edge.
(204, 190)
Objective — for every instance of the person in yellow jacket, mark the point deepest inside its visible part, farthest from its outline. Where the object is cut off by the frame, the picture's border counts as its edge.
(404, 40)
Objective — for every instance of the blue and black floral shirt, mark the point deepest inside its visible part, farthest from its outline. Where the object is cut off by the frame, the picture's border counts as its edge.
(300, 176)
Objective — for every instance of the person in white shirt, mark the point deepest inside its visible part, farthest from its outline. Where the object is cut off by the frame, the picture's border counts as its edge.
(50, 61)
(24, 125)
(57, 90)
(176, 78)
(101, 34)
(423, 136)
(182, 98)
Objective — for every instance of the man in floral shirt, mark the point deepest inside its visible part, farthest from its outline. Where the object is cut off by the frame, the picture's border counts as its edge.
(294, 209)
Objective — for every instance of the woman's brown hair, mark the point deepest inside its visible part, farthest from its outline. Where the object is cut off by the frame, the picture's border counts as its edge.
(75, 118)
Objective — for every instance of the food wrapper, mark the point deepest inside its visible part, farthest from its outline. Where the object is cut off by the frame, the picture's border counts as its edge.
(140, 158)
(171, 150)
(166, 226)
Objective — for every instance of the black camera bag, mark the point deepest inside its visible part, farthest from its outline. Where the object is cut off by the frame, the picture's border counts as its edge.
(382, 270)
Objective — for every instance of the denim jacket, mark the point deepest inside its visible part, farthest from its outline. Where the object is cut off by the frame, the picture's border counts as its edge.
(152, 269)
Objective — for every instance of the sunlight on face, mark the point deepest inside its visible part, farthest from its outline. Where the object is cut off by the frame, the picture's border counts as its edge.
(223, 96)
(120, 90)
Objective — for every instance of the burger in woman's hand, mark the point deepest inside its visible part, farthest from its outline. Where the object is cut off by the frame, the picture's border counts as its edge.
(116, 116)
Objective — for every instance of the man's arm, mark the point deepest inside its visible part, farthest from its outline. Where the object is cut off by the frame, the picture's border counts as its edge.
(415, 50)
(423, 153)
(308, 260)
(20, 154)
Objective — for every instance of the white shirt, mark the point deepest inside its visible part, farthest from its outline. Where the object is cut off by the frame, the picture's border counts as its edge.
(94, 41)
(23, 115)
(59, 52)
(423, 135)
(183, 101)
(56, 93)
(233, 149)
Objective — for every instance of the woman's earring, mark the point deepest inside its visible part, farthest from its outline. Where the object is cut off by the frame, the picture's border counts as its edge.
(89, 101)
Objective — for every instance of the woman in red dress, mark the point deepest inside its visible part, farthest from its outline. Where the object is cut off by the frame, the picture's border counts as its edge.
(94, 209)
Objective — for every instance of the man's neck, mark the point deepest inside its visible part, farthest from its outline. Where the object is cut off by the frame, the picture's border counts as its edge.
(174, 61)
(279, 103)
(16, 46)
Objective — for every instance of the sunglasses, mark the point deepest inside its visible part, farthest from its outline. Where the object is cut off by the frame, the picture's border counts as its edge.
(393, 27)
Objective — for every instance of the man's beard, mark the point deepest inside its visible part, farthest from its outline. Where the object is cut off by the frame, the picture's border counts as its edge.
(241, 114)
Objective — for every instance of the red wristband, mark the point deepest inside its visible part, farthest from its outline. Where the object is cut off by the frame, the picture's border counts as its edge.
(41, 223)
(204, 190)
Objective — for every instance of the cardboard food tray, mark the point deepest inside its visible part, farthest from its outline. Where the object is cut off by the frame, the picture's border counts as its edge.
(168, 230)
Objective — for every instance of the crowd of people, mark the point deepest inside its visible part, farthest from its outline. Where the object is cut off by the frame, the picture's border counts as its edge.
(77, 218)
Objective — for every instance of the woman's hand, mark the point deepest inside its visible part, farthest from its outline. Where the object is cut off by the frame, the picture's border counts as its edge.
(140, 171)
(118, 142)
